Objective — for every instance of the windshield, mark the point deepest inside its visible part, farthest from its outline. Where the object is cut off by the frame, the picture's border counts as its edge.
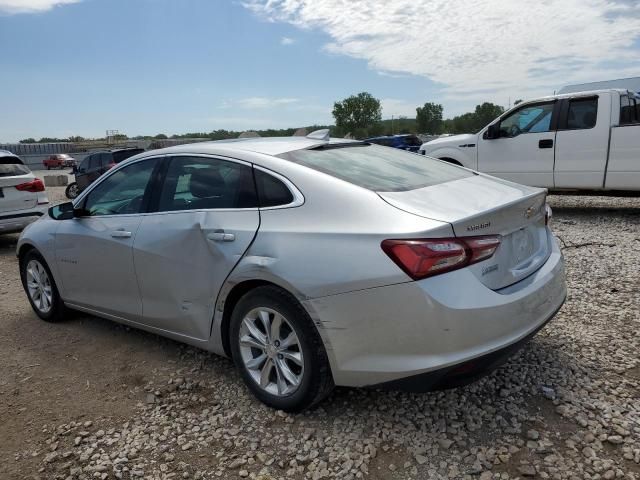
(10, 166)
(378, 168)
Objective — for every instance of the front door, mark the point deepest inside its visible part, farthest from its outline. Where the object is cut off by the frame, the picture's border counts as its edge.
(94, 253)
(524, 152)
(207, 217)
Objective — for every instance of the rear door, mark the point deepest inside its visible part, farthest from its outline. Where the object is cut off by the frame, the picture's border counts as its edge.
(207, 216)
(582, 142)
(524, 153)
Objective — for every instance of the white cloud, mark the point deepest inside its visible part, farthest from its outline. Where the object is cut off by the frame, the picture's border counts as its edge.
(258, 102)
(287, 41)
(487, 47)
(31, 6)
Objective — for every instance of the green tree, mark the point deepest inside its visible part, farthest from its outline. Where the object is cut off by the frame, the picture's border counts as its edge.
(28, 140)
(358, 114)
(485, 114)
(161, 136)
(517, 102)
(429, 118)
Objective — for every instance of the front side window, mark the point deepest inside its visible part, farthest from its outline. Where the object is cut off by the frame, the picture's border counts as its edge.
(530, 119)
(582, 113)
(378, 168)
(194, 183)
(94, 161)
(123, 192)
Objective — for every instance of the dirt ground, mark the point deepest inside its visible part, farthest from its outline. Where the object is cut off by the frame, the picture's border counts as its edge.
(67, 382)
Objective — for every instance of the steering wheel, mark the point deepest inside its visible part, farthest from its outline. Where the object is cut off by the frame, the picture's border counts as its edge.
(514, 130)
(133, 206)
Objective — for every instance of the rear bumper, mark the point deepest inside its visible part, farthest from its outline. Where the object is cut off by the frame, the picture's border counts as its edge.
(382, 335)
(16, 221)
(462, 373)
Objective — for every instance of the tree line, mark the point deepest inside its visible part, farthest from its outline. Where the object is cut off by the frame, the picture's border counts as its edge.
(359, 116)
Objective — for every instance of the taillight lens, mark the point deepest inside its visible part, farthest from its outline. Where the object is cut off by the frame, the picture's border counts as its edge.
(35, 185)
(422, 258)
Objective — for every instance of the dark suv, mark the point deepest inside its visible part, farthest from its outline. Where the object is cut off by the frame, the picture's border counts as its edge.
(95, 165)
(404, 142)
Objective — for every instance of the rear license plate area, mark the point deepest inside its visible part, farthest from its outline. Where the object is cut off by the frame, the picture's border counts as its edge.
(522, 245)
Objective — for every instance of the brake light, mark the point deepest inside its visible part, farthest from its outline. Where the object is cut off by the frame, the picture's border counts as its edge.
(422, 258)
(35, 185)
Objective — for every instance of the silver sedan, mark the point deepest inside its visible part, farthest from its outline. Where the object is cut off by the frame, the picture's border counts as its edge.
(311, 262)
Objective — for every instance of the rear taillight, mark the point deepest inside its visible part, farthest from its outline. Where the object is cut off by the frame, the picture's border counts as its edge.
(421, 258)
(35, 185)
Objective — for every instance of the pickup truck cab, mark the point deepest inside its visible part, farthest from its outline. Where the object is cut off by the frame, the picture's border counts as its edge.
(59, 160)
(585, 141)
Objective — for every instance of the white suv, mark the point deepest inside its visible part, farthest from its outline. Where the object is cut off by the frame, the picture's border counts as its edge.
(22, 195)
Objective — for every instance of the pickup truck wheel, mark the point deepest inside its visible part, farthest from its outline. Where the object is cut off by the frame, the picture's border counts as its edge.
(72, 190)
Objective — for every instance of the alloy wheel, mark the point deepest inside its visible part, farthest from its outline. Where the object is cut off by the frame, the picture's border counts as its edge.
(39, 286)
(271, 351)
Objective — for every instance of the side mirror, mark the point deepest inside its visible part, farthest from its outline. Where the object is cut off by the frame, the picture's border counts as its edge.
(493, 131)
(65, 211)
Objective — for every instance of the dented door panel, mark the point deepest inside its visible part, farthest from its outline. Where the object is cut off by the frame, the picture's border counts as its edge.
(182, 259)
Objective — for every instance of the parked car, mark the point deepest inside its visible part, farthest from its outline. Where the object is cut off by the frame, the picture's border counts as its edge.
(95, 165)
(59, 160)
(403, 142)
(310, 261)
(22, 195)
(583, 142)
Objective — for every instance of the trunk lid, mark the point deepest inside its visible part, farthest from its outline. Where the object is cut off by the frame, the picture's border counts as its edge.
(12, 199)
(482, 205)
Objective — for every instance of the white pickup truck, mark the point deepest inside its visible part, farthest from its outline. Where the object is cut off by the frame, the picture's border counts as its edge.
(586, 141)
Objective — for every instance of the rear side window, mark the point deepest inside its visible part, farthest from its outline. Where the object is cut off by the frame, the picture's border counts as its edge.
(195, 183)
(582, 114)
(124, 154)
(105, 160)
(412, 141)
(10, 166)
(377, 168)
(629, 110)
(271, 191)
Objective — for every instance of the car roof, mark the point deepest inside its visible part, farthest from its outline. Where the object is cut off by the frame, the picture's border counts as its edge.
(399, 135)
(7, 153)
(268, 146)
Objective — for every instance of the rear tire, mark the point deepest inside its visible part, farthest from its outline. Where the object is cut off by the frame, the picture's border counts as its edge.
(72, 192)
(40, 287)
(278, 350)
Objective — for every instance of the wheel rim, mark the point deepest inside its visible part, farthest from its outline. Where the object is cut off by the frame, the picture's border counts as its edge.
(39, 286)
(73, 191)
(271, 351)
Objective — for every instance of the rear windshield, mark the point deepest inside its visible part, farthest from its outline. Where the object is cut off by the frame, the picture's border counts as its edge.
(10, 166)
(378, 168)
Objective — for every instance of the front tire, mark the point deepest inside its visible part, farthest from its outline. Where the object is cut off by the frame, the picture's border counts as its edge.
(72, 190)
(40, 287)
(278, 350)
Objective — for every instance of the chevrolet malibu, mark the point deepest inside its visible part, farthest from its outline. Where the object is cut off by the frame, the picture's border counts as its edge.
(309, 261)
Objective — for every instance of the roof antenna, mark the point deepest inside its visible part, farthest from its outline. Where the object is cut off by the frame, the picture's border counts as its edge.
(320, 135)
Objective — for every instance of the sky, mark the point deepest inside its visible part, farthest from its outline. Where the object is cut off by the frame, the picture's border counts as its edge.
(80, 67)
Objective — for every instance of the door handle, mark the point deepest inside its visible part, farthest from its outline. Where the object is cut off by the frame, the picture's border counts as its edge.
(220, 236)
(121, 234)
(545, 143)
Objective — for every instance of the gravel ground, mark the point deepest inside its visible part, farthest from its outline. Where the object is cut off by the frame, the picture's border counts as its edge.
(87, 398)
